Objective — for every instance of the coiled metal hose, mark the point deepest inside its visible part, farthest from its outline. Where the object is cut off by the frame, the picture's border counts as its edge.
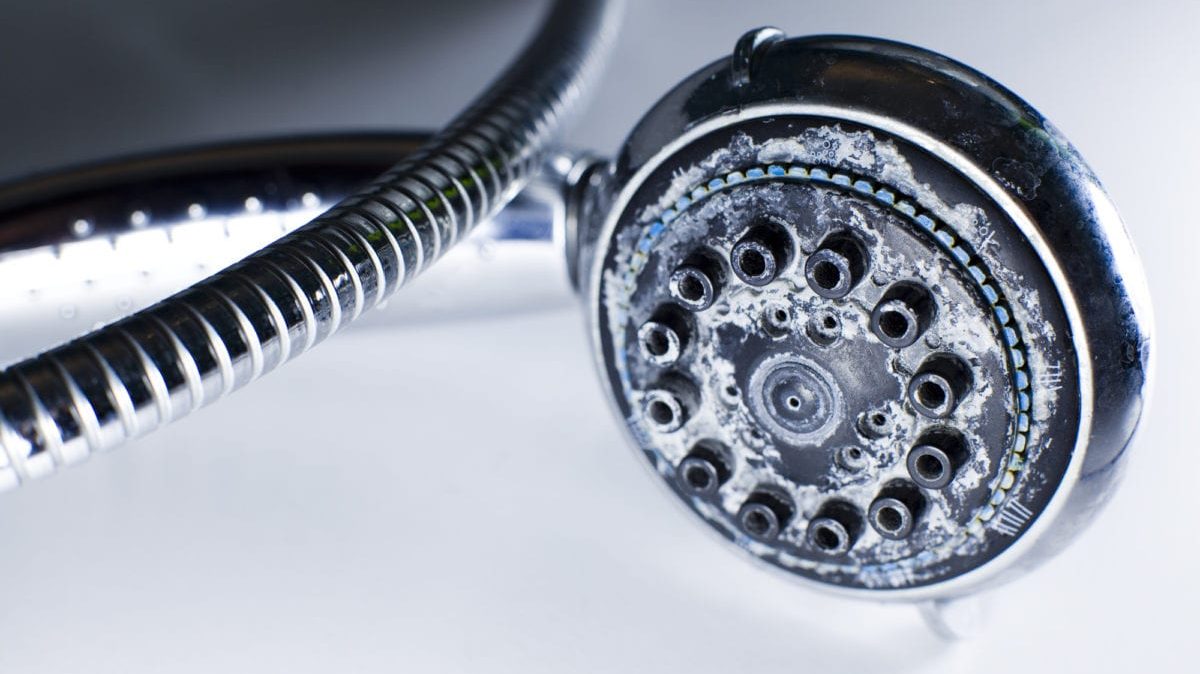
(192, 349)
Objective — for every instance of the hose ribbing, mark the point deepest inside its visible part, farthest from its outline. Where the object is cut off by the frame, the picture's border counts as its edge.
(192, 349)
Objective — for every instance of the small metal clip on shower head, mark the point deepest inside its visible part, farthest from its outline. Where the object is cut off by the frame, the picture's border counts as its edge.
(856, 304)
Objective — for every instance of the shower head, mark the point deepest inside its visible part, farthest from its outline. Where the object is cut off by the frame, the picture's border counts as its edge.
(867, 314)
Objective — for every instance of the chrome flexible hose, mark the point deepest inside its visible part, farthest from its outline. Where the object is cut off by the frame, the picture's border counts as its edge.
(131, 377)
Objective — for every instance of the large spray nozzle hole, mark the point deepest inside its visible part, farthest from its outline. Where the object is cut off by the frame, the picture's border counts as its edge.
(893, 324)
(894, 512)
(889, 518)
(938, 453)
(706, 467)
(759, 522)
(941, 382)
(903, 314)
(662, 338)
(826, 275)
(932, 394)
(661, 413)
(699, 478)
(660, 343)
(765, 514)
(835, 528)
(668, 405)
(930, 467)
(827, 537)
(761, 254)
(752, 262)
(837, 266)
(657, 343)
(695, 283)
(691, 289)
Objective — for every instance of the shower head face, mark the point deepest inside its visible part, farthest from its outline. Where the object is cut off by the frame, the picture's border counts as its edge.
(841, 346)
(872, 328)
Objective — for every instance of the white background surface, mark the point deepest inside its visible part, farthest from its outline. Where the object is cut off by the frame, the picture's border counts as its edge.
(457, 497)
